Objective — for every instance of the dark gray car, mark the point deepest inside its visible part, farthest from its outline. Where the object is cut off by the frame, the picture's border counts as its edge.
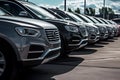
(26, 42)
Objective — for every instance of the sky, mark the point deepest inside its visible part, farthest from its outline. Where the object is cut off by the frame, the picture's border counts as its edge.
(114, 4)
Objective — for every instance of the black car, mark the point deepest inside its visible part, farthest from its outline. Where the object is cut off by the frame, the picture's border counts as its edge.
(110, 28)
(115, 27)
(93, 32)
(71, 37)
(102, 28)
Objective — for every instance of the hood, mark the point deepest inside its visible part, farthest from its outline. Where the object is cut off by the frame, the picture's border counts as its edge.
(63, 21)
(91, 24)
(101, 25)
(28, 22)
(57, 21)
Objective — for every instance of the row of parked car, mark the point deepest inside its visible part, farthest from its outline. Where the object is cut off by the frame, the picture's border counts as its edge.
(31, 34)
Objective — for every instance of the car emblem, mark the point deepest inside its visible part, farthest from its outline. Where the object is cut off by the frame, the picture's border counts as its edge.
(54, 34)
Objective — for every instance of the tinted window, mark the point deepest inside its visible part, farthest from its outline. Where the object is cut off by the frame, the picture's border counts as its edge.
(60, 13)
(39, 11)
(105, 21)
(117, 21)
(91, 19)
(2, 13)
(98, 20)
(12, 8)
(74, 16)
(63, 14)
(85, 19)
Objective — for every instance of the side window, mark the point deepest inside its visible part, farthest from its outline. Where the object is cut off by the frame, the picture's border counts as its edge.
(117, 21)
(2, 13)
(62, 14)
(14, 9)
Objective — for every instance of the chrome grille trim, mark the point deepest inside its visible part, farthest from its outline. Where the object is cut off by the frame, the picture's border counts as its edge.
(52, 35)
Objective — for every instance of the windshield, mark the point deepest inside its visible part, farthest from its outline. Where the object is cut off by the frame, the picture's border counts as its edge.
(39, 11)
(117, 21)
(98, 20)
(94, 20)
(3, 13)
(75, 17)
(88, 20)
(106, 21)
(84, 20)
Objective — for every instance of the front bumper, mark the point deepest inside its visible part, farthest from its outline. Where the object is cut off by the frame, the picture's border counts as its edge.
(48, 55)
(111, 34)
(36, 50)
(104, 36)
(93, 38)
(73, 41)
(81, 44)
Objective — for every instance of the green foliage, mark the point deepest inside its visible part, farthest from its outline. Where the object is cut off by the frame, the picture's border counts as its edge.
(87, 11)
(108, 12)
(90, 11)
(77, 10)
(69, 10)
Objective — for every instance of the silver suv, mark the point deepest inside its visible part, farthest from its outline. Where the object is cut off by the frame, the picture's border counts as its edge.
(26, 42)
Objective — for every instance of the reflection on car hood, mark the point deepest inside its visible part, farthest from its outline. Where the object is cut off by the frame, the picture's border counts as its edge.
(27, 21)
(91, 24)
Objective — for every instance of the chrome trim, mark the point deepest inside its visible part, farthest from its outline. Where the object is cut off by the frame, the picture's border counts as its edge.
(35, 51)
(83, 45)
(96, 38)
(45, 54)
(75, 40)
(51, 58)
(78, 43)
(105, 36)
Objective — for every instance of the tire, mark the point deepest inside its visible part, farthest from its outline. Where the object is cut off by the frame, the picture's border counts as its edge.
(8, 65)
(63, 51)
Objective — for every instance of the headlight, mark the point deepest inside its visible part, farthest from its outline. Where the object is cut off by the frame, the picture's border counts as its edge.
(72, 28)
(101, 28)
(23, 31)
(91, 29)
(109, 28)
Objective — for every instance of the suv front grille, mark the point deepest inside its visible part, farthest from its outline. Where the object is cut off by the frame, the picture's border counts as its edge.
(96, 30)
(83, 31)
(105, 30)
(102, 30)
(52, 35)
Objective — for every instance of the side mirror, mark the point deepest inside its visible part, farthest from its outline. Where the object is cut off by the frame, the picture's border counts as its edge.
(23, 14)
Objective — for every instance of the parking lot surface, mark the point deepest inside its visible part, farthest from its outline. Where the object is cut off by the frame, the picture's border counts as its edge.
(96, 62)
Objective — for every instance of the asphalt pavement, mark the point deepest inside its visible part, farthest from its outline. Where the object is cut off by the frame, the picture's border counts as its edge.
(96, 62)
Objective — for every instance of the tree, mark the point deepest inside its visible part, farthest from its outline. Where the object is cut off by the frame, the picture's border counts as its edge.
(69, 10)
(77, 10)
(107, 12)
(90, 11)
(87, 11)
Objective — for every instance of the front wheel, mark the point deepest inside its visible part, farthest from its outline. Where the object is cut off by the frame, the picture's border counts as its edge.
(8, 68)
(2, 64)
(63, 52)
